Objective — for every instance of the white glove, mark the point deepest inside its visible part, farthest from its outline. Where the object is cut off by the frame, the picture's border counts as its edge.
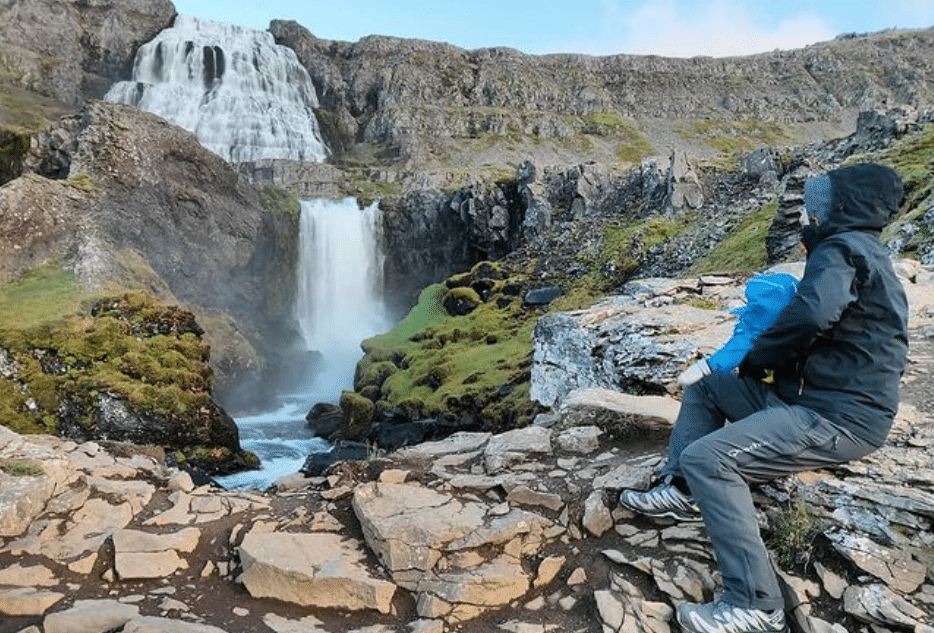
(694, 373)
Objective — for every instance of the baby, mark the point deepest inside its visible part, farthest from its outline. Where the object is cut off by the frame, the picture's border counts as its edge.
(766, 296)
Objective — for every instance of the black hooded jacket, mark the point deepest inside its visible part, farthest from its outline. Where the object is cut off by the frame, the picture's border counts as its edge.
(840, 346)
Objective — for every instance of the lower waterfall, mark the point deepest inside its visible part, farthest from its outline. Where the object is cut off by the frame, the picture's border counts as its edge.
(338, 305)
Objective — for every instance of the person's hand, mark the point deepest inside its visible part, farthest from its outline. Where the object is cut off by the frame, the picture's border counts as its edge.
(694, 373)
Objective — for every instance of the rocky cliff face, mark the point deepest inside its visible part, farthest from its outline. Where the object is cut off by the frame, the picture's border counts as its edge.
(125, 200)
(428, 103)
(70, 50)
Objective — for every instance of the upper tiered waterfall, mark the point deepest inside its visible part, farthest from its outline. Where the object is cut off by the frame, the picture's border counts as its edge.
(245, 97)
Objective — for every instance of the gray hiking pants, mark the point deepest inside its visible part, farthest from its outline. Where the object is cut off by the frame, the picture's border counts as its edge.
(767, 439)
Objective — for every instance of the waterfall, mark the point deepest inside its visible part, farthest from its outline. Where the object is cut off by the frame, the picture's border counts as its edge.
(245, 97)
(338, 305)
(339, 287)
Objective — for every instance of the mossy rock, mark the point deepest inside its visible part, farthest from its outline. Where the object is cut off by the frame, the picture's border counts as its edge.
(374, 374)
(461, 300)
(124, 368)
(359, 414)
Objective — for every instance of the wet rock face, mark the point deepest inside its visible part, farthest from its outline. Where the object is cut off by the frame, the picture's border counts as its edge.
(72, 51)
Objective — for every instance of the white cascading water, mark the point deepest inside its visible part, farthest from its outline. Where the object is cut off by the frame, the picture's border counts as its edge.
(339, 282)
(245, 97)
(338, 306)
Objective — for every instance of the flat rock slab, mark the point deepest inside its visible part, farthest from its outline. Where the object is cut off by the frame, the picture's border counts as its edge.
(27, 601)
(322, 570)
(90, 616)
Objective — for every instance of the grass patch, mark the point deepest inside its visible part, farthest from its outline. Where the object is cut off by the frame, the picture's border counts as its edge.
(477, 364)
(280, 201)
(792, 535)
(22, 469)
(46, 293)
(743, 250)
(633, 146)
(625, 245)
(82, 183)
(733, 138)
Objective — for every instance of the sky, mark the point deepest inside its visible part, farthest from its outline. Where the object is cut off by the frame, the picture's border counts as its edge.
(676, 28)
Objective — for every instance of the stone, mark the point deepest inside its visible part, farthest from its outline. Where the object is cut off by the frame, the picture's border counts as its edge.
(834, 584)
(32, 576)
(548, 570)
(896, 568)
(324, 570)
(597, 519)
(579, 439)
(90, 616)
(27, 601)
(151, 624)
(22, 498)
(624, 413)
(523, 495)
(507, 449)
(279, 624)
(880, 605)
(140, 555)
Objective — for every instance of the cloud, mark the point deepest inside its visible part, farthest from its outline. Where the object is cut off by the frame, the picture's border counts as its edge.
(719, 28)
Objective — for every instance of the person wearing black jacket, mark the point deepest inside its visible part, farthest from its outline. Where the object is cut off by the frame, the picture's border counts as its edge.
(836, 354)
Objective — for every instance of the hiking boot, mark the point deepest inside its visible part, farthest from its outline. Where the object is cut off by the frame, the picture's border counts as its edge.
(664, 500)
(720, 617)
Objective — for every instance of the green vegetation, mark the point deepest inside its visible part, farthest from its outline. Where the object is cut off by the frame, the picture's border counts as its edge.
(22, 469)
(117, 350)
(64, 350)
(432, 363)
(793, 532)
(633, 146)
(82, 183)
(367, 191)
(913, 159)
(280, 201)
(46, 293)
(743, 250)
(732, 138)
(626, 243)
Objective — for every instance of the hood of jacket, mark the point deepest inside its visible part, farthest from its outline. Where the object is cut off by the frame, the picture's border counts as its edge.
(863, 197)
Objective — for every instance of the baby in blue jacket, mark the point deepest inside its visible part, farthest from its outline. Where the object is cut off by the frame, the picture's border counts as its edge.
(766, 296)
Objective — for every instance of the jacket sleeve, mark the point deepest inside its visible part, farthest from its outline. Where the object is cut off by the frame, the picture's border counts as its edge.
(828, 287)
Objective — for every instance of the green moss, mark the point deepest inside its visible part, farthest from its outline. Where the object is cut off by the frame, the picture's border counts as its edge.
(913, 158)
(633, 146)
(46, 293)
(358, 411)
(280, 201)
(701, 304)
(625, 244)
(743, 250)
(477, 364)
(82, 183)
(147, 354)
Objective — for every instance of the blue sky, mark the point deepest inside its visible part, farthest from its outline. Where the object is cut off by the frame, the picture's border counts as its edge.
(680, 28)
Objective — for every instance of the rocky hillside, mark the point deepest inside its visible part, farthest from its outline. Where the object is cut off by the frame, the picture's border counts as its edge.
(436, 107)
